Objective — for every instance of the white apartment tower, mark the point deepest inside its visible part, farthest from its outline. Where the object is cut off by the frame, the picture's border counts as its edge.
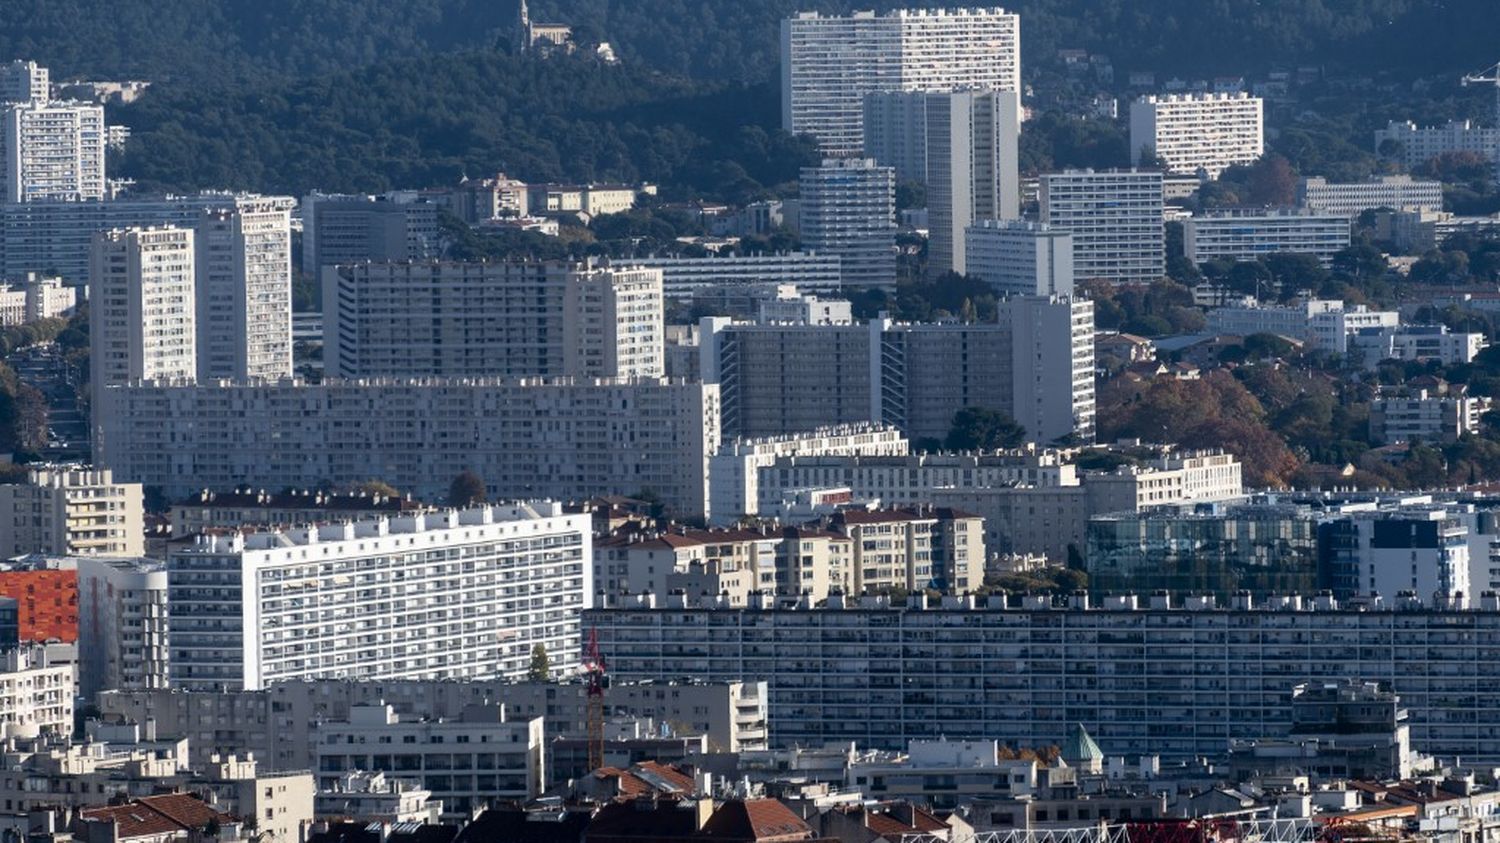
(51, 151)
(383, 598)
(849, 210)
(243, 290)
(963, 145)
(828, 64)
(1198, 132)
(24, 81)
(141, 306)
(1020, 258)
(1115, 217)
(1349, 199)
(502, 319)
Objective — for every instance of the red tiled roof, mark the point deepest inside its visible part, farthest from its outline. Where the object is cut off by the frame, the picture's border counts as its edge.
(151, 816)
(755, 820)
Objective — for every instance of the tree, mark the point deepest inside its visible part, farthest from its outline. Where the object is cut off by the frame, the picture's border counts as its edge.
(1273, 181)
(980, 428)
(541, 666)
(467, 489)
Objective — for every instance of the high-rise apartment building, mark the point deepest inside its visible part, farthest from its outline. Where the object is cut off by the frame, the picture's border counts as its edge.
(24, 81)
(563, 439)
(141, 306)
(36, 692)
(1172, 676)
(56, 237)
(1020, 258)
(1052, 354)
(122, 627)
(849, 210)
(381, 598)
(51, 151)
(71, 511)
(1115, 217)
(341, 229)
(243, 290)
(783, 379)
(1202, 132)
(963, 145)
(1349, 199)
(829, 63)
(511, 318)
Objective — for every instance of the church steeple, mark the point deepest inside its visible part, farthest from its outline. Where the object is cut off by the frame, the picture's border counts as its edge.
(523, 27)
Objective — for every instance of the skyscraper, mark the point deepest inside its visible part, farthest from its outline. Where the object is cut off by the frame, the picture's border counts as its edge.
(141, 306)
(1115, 217)
(1198, 132)
(243, 290)
(828, 64)
(849, 209)
(51, 151)
(963, 145)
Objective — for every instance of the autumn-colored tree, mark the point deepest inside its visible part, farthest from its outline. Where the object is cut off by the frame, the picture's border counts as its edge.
(1273, 181)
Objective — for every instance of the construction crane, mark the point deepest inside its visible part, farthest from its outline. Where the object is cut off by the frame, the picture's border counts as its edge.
(597, 682)
(1490, 75)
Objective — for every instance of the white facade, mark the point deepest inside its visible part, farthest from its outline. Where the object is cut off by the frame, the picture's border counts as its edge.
(1420, 145)
(849, 210)
(35, 299)
(36, 695)
(141, 306)
(1421, 548)
(365, 797)
(51, 151)
(1115, 217)
(24, 81)
(1020, 258)
(466, 763)
(828, 64)
(526, 438)
(818, 274)
(964, 146)
(56, 237)
(1249, 236)
(381, 598)
(1321, 323)
(1430, 418)
(71, 511)
(243, 290)
(734, 471)
(1415, 342)
(1198, 132)
(504, 319)
(788, 306)
(1399, 192)
(122, 624)
(1033, 502)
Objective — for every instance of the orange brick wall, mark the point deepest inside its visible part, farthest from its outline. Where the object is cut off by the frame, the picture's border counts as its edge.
(49, 603)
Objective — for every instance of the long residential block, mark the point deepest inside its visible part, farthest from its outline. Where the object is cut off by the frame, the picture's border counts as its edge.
(526, 438)
(483, 319)
(1178, 679)
(455, 594)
